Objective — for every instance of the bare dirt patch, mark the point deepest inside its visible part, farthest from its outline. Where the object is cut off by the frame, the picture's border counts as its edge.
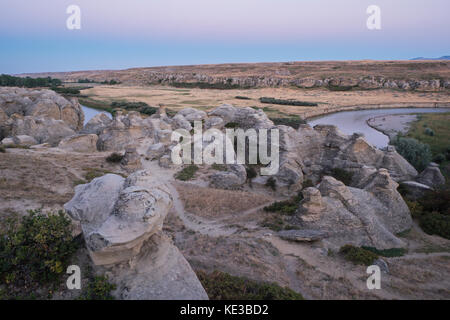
(215, 203)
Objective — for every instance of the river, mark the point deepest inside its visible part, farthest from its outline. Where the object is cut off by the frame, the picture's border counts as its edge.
(350, 122)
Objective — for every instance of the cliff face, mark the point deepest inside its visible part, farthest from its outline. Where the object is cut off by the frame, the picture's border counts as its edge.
(336, 75)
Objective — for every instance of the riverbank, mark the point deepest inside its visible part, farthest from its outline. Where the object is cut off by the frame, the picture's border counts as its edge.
(322, 111)
(392, 125)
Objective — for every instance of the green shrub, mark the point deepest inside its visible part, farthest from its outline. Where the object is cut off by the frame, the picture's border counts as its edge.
(429, 132)
(223, 286)
(342, 175)
(287, 207)
(272, 183)
(98, 288)
(64, 90)
(415, 152)
(251, 172)
(339, 88)
(141, 107)
(358, 255)
(439, 158)
(114, 157)
(242, 98)
(436, 223)
(433, 212)
(12, 81)
(393, 252)
(232, 125)
(289, 102)
(293, 122)
(187, 173)
(2, 149)
(35, 249)
(437, 200)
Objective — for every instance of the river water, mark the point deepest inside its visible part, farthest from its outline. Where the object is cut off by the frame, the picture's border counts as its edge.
(350, 122)
(89, 113)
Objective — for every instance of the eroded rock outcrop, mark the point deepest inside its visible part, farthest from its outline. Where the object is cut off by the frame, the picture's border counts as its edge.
(122, 220)
(368, 216)
(79, 143)
(41, 103)
(431, 176)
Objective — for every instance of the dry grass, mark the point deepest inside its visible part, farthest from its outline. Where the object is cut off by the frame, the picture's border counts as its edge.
(207, 99)
(214, 203)
(44, 178)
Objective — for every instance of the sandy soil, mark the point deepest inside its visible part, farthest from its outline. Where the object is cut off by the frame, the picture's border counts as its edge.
(391, 125)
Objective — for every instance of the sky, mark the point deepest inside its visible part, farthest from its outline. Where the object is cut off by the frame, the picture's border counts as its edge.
(119, 34)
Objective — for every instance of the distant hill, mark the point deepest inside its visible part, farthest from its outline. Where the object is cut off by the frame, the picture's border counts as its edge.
(441, 58)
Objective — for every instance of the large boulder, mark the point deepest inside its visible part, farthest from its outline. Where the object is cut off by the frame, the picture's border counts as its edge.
(79, 143)
(431, 176)
(21, 140)
(96, 124)
(125, 130)
(191, 114)
(233, 178)
(122, 220)
(117, 235)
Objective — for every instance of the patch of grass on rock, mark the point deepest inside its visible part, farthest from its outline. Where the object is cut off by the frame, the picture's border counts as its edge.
(223, 286)
(187, 173)
(358, 255)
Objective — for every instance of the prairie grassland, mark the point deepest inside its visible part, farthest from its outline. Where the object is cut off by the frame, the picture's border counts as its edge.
(206, 99)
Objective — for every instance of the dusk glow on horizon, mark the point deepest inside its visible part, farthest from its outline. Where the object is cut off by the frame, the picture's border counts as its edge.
(118, 34)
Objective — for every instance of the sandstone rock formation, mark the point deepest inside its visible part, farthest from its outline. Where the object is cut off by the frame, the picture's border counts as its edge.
(233, 178)
(96, 124)
(41, 114)
(431, 176)
(41, 103)
(369, 216)
(43, 130)
(122, 220)
(79, 143)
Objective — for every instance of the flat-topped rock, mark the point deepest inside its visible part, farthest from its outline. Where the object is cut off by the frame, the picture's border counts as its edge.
(302, 235)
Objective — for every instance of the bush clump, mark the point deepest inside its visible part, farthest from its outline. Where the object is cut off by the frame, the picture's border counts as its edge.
(223, 286)
(433, 211)
(242, 98)
(342, 175)
(232, 125)
(293, 122)
(289, 102)
(392, 252)
(66, 90)
(439, 158)
(287, 207)
(415, 152)
(358, 255)
(99, 288)
(271, 183)
(35, 249)
(141, 107)
(114, 157)
(187, 173)
(429, 132)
